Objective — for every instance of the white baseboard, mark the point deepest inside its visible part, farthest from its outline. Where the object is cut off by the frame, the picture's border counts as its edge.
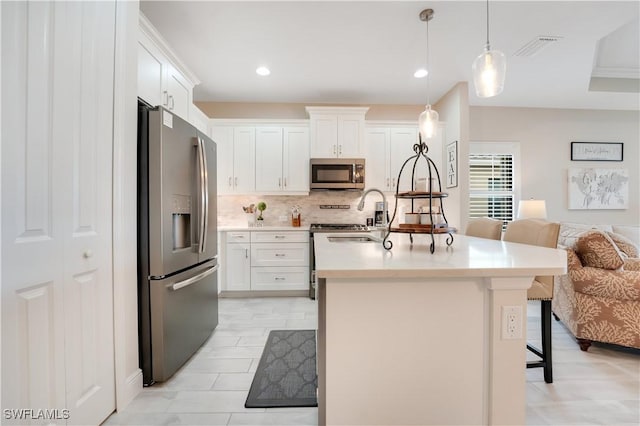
(128, 390)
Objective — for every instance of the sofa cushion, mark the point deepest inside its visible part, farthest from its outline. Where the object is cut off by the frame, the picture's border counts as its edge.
(625, 245)
(570, 232)
(629, 231)
(597, 250)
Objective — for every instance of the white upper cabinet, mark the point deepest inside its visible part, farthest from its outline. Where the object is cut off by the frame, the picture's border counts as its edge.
(337, 132)
(152, 67)
(283, 154)
(388, 146)
(162, 78)
(236, 158)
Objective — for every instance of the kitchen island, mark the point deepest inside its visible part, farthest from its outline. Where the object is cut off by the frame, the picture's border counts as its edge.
(408, 337)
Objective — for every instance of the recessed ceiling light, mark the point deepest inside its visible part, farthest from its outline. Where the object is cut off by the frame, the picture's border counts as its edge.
(263, 71)
(420, 73)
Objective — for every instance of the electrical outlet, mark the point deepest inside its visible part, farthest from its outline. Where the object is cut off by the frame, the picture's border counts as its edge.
(512, 322)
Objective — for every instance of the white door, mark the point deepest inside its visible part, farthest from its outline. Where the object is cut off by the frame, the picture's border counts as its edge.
(324, 135)
(151, 73)
(223, 137)
(238, 267)
(269, 154)
(179, 90)
(244, 143)
(377, 160)
(401, 148)
(350, 128)
(57, 303)
(296, 159)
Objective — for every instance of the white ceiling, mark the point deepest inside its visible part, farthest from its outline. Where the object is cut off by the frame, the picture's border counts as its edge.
(359, 52)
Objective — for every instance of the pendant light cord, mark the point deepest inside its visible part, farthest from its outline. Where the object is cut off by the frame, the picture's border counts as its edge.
(428, 68)
(487, 45)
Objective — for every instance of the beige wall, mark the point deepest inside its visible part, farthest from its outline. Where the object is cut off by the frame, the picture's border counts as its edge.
(297, 111)
(545, 137)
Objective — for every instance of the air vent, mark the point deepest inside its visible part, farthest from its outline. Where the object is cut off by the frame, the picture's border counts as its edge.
(536, 45)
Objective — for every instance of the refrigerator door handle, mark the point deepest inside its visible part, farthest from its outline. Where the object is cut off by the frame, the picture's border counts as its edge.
(204, 196)
(192, 280)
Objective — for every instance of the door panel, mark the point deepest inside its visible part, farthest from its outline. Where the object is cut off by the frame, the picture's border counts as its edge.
(401, 148)
(172, 164)
(84, 125)
(32, 271)
(57, 74)
(296, 159)
(269, 152)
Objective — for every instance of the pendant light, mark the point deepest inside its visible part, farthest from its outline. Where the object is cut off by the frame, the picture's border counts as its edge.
(489, 69)
(428, 120)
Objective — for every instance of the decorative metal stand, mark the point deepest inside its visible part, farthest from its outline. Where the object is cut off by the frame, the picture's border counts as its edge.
(421, 150)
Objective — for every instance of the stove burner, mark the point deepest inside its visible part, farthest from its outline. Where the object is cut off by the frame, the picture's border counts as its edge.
(328, 227)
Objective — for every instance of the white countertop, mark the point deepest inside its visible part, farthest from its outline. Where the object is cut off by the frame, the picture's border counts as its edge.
(468, 256)
(263, 228)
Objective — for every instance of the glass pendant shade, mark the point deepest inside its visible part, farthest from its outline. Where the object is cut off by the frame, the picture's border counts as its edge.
(428, 123)
(489, 70)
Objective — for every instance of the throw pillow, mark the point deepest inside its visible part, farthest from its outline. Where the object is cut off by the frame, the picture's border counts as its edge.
(625, 245)
(597, 250)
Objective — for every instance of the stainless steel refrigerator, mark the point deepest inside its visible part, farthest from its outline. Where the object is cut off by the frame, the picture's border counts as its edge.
(177, 241)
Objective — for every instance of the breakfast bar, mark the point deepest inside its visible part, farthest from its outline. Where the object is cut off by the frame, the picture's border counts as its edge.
(410, 337)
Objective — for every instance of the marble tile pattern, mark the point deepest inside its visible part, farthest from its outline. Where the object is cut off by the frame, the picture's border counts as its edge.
(230, 211)
(598, 387)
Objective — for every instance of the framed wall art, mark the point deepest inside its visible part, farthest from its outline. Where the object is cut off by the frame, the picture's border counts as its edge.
(452, 164)
(591, 189)
(596, 151)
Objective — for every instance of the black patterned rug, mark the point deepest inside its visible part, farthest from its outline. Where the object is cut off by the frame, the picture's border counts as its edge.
(286, 375)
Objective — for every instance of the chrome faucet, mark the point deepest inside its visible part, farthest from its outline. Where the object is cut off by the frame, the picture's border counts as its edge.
(384, 200)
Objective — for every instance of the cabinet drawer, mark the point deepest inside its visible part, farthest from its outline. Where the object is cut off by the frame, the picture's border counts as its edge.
(274, 278)
(279, 254)
(280, 237)
(238, 237)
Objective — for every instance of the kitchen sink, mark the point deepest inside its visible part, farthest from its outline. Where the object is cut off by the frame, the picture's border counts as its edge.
(353, 239)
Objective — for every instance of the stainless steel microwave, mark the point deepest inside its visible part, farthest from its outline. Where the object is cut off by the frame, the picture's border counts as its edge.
(337, 173)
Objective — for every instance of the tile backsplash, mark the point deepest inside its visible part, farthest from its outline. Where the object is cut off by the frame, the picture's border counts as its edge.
(230, 211)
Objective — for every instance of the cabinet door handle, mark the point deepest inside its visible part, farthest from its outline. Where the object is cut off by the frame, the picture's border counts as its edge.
(285, 182)
(279, 237)
(279, 182)
(230, 182)
(387, 182)
(236, 182)
(246, 253)
(172, 102)
(334, 150)
(393, 182)
(280, 255)
(280, 278)
(166, 98)
(339, 149)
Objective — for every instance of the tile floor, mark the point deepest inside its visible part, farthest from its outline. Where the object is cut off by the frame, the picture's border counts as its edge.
(600, 387)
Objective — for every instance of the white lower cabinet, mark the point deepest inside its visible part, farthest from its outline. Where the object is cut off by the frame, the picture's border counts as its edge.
(266, 260)
(238, 261)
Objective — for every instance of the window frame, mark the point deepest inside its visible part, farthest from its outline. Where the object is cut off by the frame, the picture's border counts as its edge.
(498, 148)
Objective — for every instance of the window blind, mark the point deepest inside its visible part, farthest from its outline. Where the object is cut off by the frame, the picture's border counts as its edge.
(491, 186)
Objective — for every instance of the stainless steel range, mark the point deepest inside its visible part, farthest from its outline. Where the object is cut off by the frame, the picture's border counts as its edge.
(327, 227)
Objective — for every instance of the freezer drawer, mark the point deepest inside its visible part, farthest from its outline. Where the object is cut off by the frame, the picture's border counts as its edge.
(277, 254)
(184, 313)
